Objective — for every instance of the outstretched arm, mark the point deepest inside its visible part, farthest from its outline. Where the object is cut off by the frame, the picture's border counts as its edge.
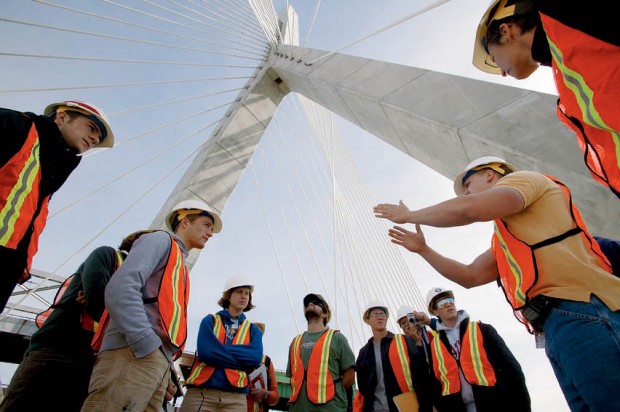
(485, 206)
(481, 271)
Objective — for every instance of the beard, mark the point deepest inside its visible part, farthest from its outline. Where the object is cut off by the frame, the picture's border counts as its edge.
(312, 315)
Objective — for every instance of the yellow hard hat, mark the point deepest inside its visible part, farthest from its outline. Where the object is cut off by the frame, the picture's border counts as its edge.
(497, 10)
(91, 111)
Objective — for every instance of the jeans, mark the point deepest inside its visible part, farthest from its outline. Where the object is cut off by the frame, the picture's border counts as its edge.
(42, 375)
(583, 345)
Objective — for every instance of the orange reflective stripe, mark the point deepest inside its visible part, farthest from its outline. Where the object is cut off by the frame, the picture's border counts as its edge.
(445, 367)
(399, 360)
(19, 191)
(297, 367)
(42, 317)
(474, 362)
(319, 381)
(588, 101)
(173, 296)
(202, 372)
(516, 261)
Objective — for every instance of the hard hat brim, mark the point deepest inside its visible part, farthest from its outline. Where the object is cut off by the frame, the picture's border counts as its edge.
(217, 220)
(458, 180)
(109, 139)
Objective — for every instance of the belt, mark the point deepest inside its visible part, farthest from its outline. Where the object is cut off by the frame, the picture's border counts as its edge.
(537, 310)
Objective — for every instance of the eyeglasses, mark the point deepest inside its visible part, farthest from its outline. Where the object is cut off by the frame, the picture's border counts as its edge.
(317, 303)
(444, 302)
(377, 315)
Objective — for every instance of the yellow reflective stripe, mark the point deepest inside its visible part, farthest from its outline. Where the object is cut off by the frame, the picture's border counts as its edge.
(441, 365)
(402, 356)
(294, 352)
(475, 354)
(515, 269)
(584, 96)
(15, 200)
(243, 331)
(324, 368)
(195, 373)
(177, 274)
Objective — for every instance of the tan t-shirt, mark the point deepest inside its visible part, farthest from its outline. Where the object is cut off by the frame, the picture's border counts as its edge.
(567, 269)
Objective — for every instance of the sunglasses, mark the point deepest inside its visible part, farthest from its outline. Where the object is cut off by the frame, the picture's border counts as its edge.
(317, 303)
(444, 302)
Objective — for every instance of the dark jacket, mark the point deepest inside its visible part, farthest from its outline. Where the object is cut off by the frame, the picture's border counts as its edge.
(57, 159)
(63, 332)
(510, 393)
(367, 375)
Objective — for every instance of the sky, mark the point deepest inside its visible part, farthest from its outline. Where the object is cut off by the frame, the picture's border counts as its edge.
(132, 187)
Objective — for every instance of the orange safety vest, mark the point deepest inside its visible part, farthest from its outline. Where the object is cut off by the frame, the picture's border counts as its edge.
(516, 261)
(399, 360)
(172, 299)
(88, 323)
(588, 96)
(472, 361)
(201, 372)
(20, 203)
(320, 384)
(254, 406)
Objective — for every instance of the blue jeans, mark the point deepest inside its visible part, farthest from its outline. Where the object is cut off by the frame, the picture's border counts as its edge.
(583, 345)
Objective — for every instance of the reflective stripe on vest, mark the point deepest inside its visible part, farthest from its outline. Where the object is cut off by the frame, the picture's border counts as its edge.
(257, 406)
(588, 96)
(319, 382)
(445, 367)
(20, 206)
(473, 362)
(399, 360)
(201, 372)
(516, 261)
(172, 299)
(88, 323)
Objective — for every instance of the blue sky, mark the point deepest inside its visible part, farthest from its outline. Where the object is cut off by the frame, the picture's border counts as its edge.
(439, 40)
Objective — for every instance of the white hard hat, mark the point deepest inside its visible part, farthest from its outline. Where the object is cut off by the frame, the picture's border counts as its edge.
(197, 205)
(435, 292)
(497, 10)
(496, 163)
(91, 111)
(238, 281)
(403, 311)
(374, 305)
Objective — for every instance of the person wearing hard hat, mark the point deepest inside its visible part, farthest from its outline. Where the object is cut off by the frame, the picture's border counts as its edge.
(314, 387)
(37, 155)
(389, 365)
(228, 347)
(553, 273)
(581, 43)
(473, 367)
(406, 320)
(144, 327)
(60, 350)
(266, 393)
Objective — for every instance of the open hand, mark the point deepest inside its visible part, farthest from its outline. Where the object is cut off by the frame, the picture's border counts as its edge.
(396, 213)
(412, 241)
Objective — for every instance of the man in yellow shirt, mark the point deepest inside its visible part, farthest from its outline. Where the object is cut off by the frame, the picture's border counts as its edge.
(551, 269)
